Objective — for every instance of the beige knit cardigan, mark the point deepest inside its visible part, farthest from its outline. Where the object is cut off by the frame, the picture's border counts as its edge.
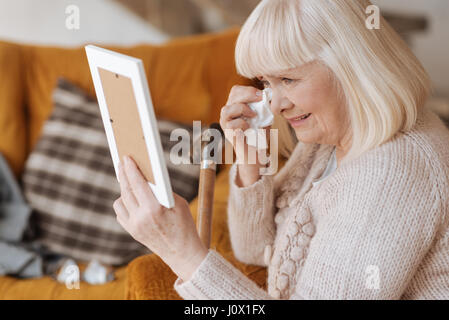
(377, 228)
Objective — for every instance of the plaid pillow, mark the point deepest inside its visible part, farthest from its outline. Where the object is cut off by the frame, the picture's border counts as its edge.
(69, 181)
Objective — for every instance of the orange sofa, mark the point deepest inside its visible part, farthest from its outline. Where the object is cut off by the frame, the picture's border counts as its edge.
(190, 79)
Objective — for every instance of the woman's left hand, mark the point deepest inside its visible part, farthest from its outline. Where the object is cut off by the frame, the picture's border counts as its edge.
(169, 233)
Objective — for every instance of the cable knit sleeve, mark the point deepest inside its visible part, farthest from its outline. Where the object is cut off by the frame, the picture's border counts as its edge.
(217, 279)
(375, 229)
(251, 218)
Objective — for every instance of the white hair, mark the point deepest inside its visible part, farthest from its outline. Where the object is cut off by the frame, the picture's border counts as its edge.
(383, 83)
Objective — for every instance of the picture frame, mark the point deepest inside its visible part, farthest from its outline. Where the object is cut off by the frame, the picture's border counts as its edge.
(128, 116)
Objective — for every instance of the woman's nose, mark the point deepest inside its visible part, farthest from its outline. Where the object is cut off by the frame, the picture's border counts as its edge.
(279, 103)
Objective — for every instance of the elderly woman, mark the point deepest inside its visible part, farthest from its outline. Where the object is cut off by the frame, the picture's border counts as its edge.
(360, 210)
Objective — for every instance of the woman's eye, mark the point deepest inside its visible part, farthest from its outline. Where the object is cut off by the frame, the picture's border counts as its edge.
(287, 81)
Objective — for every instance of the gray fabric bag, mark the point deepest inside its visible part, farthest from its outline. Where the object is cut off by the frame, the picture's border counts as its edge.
(15, 258)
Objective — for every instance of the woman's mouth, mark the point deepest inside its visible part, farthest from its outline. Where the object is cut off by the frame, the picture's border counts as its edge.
(296, 122)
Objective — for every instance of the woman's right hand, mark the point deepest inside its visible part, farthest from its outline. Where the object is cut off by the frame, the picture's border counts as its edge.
(234, 124)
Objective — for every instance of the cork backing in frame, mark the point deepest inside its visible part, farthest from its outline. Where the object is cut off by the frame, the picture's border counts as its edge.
(125, 120)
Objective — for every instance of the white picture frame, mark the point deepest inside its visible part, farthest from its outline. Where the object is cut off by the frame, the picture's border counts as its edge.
(102, 61)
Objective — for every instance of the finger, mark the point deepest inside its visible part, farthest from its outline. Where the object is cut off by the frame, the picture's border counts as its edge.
(238, 124)
(180, 200)
(140, 187)
(244, 94)
(120, 210)
(238, 110)
(268, 134)
(126, 190)
(123, 223)
(240, 147)
(231, 134)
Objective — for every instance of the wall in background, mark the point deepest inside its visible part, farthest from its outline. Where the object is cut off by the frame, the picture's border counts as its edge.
(101, 21)
(432, 46)
(185, 17)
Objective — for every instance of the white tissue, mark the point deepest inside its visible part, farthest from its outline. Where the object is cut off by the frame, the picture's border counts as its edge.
(263, 119)
(264, 116)
(96, 273)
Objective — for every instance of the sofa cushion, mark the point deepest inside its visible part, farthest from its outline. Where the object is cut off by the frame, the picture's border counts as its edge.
(70, 182)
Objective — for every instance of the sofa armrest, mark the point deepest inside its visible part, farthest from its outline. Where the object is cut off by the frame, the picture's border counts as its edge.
(149, 278)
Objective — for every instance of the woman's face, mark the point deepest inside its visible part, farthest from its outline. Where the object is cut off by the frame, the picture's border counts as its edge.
(310, 91)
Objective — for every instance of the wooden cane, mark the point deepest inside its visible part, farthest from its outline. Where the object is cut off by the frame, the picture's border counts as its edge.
(206, 189)
(206, 201)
